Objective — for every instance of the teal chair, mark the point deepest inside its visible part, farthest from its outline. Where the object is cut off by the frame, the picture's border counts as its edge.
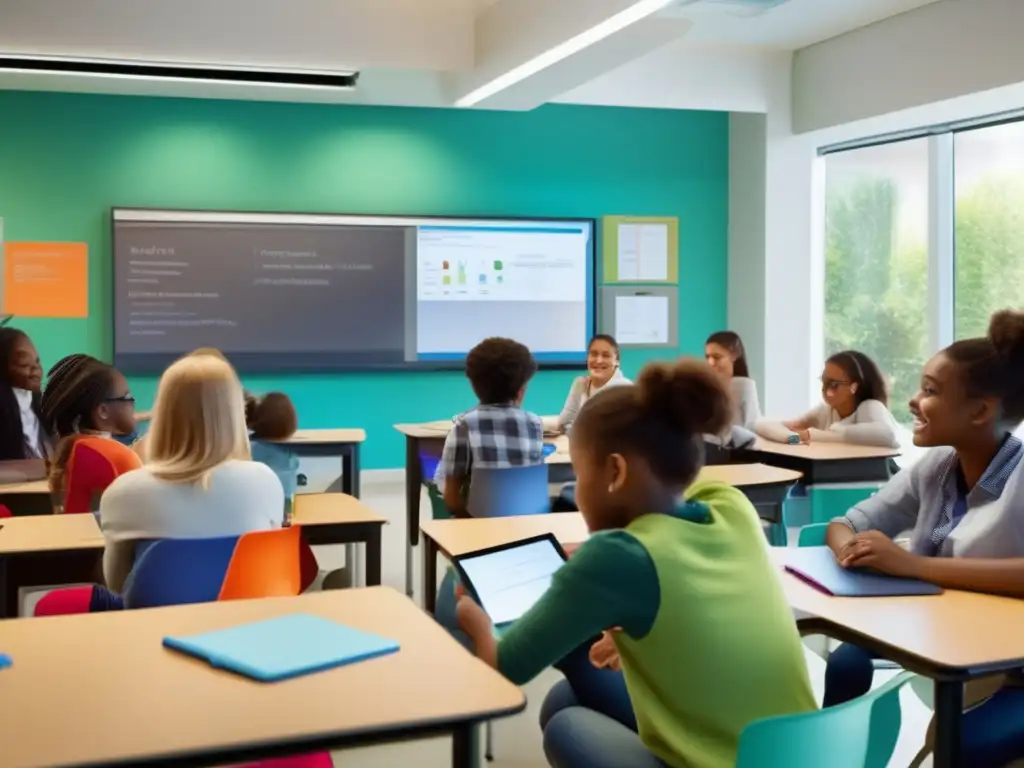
(858, 734)
(812, 535)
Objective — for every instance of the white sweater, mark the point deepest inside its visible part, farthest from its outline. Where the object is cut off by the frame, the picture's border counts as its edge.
(748, 407)
(242, 496)
(581, 391)
(870, 424)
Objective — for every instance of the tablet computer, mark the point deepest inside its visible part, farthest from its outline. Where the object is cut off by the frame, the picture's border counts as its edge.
(508, 579)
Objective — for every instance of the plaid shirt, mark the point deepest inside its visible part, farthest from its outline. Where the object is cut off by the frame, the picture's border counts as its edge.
(493, 436)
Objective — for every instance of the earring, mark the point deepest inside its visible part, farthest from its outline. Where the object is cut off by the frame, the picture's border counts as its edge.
(611, 488)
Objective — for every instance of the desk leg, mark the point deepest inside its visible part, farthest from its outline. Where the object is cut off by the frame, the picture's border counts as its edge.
(465, 746)
(350, 470)
(373, 557)
(429, 585)
(4, 598)
(413, 481)
(949, 705)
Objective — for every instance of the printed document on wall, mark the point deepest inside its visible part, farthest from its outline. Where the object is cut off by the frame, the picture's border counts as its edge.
(643, 252)
(641, 320)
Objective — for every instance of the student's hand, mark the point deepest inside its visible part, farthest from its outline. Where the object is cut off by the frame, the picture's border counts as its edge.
(875, 550)
(470, 616)
(604, 654)
(571, 549)
(804, 435)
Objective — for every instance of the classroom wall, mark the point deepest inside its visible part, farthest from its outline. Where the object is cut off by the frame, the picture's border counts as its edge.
(66, 159)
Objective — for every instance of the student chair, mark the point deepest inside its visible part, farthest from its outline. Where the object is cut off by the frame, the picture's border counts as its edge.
(179, 571)
(318, 760)
(5, 512)
(265, 564)
(858, 734)
(95, 463)
(508, 491)
(64, 602)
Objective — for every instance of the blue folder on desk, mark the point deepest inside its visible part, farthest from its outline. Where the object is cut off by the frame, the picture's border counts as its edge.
(818, 567)
(282, 648)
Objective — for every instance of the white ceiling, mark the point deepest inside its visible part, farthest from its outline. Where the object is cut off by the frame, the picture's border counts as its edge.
(430, 52)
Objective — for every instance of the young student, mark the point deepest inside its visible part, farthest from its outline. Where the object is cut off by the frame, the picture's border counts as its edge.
(678, 588)
(21, 433)
(963, 502)
(854, 408)
(198, 480)
(602, 371)
(497, 432)
(86, 399)
(727, 357)
(271, 419)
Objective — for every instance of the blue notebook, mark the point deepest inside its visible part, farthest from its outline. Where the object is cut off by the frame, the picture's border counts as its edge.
(282, 648)
(818, 567)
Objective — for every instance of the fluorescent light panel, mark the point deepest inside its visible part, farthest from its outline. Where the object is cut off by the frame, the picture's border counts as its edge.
(573, 45)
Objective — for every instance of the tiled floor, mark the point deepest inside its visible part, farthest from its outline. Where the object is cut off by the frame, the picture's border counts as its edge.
(518, 739)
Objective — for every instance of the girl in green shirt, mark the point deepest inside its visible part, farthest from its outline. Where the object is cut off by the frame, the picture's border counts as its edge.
(685, 593)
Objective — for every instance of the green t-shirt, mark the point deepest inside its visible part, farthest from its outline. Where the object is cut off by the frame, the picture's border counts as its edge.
(708, 642)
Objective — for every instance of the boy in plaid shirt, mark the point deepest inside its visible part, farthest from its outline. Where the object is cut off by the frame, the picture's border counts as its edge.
(498, 432)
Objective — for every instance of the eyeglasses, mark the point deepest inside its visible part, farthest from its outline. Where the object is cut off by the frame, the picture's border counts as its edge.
(833, 384)
(129, 398)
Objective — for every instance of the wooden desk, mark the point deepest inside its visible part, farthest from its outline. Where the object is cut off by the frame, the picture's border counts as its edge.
(41, 550)
(344, 443)
(337, 518)
(175, 710)
(31, 498)
(456, 537)
(427, 439)
(38, 550)
(951, 638)
(824, 462)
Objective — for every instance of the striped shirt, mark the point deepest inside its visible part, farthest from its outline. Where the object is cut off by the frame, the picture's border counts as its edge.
(944, 520)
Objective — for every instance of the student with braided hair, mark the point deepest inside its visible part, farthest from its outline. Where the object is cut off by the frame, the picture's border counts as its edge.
(85, 403)
(21, 433)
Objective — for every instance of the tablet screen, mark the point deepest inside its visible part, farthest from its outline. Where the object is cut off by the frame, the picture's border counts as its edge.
(509, 581)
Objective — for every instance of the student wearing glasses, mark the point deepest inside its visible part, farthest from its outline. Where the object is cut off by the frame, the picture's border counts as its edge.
(854, 408)
(85, 403)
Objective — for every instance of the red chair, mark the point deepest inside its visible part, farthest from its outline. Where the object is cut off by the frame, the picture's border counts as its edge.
(61, 602)
(95, 463)
(5, 512)
(318, 760)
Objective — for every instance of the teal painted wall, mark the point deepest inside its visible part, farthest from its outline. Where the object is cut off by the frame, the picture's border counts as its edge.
(66, 159)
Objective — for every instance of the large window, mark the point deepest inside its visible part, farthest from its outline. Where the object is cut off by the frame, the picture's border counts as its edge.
(989, 233)
(876, 260)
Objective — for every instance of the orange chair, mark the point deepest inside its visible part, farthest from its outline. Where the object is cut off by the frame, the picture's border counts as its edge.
(265, 564)
(95, 463)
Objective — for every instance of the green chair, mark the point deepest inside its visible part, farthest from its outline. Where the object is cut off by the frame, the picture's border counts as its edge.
(439, 510)
(858, 734)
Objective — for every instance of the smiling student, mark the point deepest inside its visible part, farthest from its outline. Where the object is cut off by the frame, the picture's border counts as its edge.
(963, 502)
(854, 408)
(602, 371)
(21, 432)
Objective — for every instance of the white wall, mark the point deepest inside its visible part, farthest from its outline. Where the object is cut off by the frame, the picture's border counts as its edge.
(941, 51)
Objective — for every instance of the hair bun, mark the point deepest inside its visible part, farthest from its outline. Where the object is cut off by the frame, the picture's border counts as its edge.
(1006, 332)
(687, 395)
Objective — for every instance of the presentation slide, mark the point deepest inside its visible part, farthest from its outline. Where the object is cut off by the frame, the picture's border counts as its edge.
(509, 582)
(318, 292)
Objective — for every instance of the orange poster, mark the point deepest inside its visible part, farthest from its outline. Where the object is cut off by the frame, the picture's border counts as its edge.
(46, 280)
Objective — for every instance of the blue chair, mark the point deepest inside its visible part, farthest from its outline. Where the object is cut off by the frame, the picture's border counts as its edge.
(179, 571)
(508, 491)
(858, 734)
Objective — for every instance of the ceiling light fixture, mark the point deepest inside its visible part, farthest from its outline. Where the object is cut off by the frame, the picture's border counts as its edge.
(611, 25)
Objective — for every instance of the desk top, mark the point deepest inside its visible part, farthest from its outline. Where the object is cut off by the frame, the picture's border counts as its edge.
(825, 451)
(332, 509)
(745, 475)
(326, 436)
(33, 487)
(184, 708)
(49, 533)
(958, 630)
